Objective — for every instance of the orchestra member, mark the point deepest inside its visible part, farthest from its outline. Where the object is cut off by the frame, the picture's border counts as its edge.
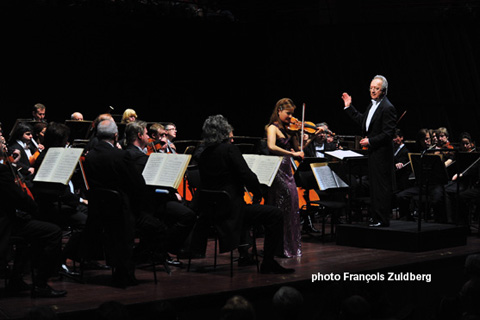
(111, 168)
(319, 142)
(17, 219)
(401, 160)
(21, 140)
(77, 116)
(467, 195)
(283, 193)
(378, 128)
(129, 115)
(178, 218)
(38, 112)
(93, 140)
(436, 191)
(158, 139)
(222, 167)
(466, 143)
(171, 131)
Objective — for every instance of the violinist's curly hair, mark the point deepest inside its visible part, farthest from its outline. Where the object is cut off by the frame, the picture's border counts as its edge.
(216, 129)
(282, 104)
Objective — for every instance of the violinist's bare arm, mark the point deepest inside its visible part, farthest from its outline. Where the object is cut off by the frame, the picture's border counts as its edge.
(272, 134)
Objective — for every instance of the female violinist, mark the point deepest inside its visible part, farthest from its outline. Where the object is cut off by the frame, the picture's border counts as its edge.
(283, 192)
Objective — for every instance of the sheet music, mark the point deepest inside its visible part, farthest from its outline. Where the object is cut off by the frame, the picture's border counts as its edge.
(166, 170)
(341, 154)
(265, 167)
(58, 165)
(326, 177)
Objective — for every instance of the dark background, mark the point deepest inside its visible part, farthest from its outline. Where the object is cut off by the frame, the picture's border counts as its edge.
(169, 65)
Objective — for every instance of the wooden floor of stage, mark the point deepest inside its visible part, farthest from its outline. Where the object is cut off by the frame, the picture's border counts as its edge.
(203, 288)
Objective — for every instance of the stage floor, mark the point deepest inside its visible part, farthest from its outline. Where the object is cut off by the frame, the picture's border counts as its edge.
(204, 289)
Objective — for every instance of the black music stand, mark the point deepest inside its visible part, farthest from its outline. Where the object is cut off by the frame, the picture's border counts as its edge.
(305, 178)
(429, 170)
(30, 122)
(79, 130)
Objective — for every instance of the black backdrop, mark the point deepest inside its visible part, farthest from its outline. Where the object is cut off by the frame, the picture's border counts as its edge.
(87, 58)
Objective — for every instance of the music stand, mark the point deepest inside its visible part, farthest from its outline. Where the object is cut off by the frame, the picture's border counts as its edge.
(78, 129)
(305, 178)
(429, 169)
(30, 122)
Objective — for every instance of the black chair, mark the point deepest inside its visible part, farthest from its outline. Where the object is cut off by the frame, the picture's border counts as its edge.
(109, 222)
(213, 206)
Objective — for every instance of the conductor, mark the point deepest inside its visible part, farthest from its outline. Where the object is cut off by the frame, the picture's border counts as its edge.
(378, 124)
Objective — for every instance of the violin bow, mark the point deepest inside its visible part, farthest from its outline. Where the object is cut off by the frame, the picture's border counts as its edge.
(303, 126)
(401, 116)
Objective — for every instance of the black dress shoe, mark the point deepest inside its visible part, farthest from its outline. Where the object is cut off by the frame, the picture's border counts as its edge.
(47, 292)
(173, 262)
(273, 267)
(65, 271)
(378, 225)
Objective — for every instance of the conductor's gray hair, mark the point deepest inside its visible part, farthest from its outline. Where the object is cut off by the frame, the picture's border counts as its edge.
(107, 129)
(384, 83)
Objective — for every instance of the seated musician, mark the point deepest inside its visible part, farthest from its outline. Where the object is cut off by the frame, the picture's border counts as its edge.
(171, 131)
(92, 136)
(436, 192)
(402, 162)
(177, 216)
(319, 142)
(444, 143)
(111, 168)
(466, 143)
(73, 210)
(38, 112)
(468, 194)
(222, 167)
(17, 219)
(158, 139)
(21, 140)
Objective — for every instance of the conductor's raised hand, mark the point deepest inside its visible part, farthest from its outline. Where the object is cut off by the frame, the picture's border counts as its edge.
(347, 99)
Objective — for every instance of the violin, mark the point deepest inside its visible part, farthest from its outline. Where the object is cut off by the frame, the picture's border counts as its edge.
(308, 127)
(296, 125)
(154, 146)
(18, 177)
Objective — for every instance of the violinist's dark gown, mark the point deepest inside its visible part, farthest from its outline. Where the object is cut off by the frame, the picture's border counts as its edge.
(381, 172)
(284, 195)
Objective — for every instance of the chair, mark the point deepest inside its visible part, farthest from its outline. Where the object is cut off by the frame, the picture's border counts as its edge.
(213, 206)
(15, 246)
(109, 219)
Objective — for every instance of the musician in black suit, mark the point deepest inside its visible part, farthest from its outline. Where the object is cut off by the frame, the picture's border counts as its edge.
(177, 216)
(378, 124)
(222, 167)
(17, 219)
(21, 140)
(109, 167)
(318, 144)
(402, 162)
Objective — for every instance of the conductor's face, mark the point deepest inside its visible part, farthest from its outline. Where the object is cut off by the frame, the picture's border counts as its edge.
(376, 89)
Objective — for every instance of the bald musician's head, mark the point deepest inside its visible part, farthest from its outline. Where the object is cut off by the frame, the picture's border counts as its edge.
(107, 130)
